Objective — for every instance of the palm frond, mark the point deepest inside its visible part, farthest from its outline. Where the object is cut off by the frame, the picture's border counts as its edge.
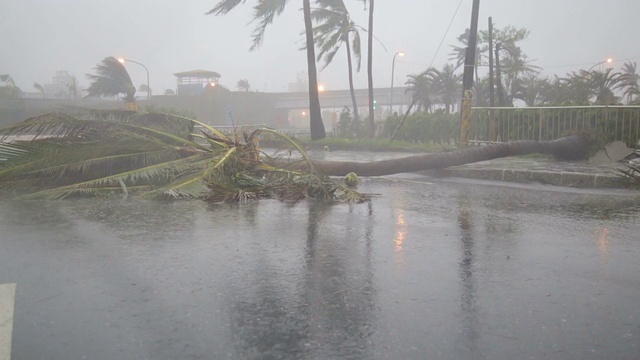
(224, 6)
(153, 154)
(264, 13)
(146, 177)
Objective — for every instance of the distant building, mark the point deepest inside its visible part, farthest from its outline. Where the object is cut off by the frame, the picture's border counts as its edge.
(194, 81)
(301, 84)
(62, 87)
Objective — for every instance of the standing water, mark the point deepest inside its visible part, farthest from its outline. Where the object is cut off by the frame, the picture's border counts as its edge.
(426, 270)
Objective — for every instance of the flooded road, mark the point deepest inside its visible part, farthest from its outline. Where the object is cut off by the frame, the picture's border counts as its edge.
(429, 269)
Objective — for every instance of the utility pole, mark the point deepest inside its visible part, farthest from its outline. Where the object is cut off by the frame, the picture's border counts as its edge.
(467, 77)
(492, 99)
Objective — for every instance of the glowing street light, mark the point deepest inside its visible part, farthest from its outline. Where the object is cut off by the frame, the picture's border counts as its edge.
(123, 60)
(608, 61)
(393, 67)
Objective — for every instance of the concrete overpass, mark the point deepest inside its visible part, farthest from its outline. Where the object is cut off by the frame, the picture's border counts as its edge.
(273, 109)
(337, 99)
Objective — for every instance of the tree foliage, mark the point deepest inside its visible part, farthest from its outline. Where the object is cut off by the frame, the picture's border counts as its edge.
(265, 12)
(155, 155)
(111, 79)
(9, 88)
(433, 87)
(334, 30)
(243, 85)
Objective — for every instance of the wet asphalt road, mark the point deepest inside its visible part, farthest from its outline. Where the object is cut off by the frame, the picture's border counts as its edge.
(429, 270)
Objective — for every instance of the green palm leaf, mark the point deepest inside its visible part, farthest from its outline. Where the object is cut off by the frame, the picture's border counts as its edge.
(153, 154)
(146, 177)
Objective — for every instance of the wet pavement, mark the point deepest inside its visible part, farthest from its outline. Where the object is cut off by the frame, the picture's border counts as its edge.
(429, 269)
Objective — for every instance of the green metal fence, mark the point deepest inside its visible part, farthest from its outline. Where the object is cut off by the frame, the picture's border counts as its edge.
(621, 123)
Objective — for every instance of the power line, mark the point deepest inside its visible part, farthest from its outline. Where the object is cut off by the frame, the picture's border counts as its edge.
(445, 34)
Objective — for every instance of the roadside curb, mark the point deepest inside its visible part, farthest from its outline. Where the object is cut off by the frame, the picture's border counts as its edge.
(558, 178)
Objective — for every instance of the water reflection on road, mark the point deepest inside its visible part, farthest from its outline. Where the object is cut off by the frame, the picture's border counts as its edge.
(427, 270)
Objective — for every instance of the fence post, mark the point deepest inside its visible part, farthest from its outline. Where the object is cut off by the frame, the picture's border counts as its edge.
(605, 128)
(540, 125)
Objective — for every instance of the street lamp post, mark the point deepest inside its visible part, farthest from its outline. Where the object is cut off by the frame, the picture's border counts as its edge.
(608, 61)
(122, 61)
(393, 67)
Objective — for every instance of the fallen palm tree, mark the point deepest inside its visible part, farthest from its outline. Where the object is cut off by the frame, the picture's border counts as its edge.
(572, 147)
(159, 155)
(154, 155)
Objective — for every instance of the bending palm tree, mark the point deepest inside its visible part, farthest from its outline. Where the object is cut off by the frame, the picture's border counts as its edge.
(265, 12)
(112, 79)
(243, 85)
(335, 29)
(9, 89)
(39, 88)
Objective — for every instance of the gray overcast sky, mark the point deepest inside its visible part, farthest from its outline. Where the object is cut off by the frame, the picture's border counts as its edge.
(39, 37)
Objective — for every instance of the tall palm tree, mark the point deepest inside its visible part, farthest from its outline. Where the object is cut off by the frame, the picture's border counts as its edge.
(459, 53)
(575, 89)
(243, 85)
(515, 65)
(334, 30)
(602, 85)
(531, 89)
(372, 126)
(112, 79)
(73, 88)
(630, 82)
(481, 93)
(510, 61)
(265, 11)
(447, 86)
(421, 88)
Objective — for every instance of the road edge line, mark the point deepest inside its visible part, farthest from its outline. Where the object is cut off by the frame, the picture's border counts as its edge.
(7, 304)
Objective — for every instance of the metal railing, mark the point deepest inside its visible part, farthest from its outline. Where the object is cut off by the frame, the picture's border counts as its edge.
(615, 123)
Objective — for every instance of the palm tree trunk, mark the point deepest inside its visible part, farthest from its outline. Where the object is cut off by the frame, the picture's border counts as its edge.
(502, 99)
(572, 147)
(372, 124)
(351, 89)
(316, 126)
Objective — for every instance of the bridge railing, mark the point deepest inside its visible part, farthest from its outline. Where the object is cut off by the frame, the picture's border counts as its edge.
(614, 123)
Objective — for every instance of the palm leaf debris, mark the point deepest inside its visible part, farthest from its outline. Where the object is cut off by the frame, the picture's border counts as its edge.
(97, 153)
